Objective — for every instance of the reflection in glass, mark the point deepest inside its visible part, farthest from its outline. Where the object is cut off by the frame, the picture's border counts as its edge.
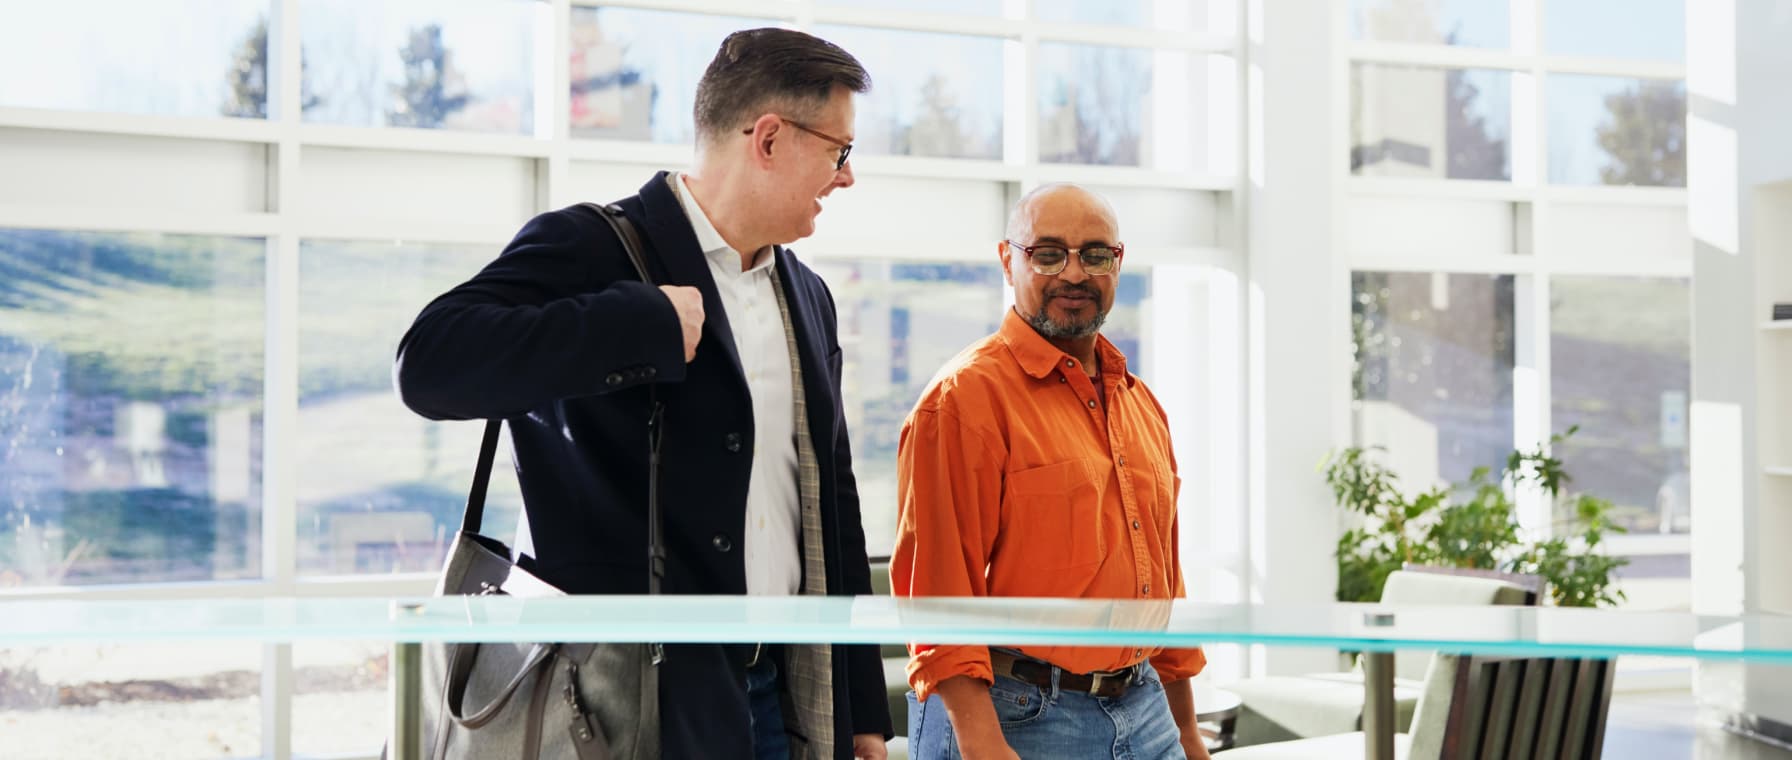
(170, 58)
(1616, 131)
(1620, 359)
(1410, 121)
(177, 699)
(1432, 378)
(634, 72)
(130, 407)
(899, 323)
(1640, 29)
(382, 489)
(931, 94)
(427, 64)
(1469, 23)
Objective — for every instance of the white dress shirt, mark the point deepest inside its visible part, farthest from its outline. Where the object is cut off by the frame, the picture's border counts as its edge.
(770, 540)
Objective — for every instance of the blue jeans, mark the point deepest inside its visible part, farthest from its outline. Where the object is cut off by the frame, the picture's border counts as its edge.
(763, 686)
(1041, 722)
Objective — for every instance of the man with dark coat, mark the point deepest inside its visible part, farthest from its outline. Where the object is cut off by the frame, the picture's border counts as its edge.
(560, 338)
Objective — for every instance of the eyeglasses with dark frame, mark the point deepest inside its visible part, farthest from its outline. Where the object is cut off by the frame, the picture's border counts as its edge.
(844, 146)
(1051, 258)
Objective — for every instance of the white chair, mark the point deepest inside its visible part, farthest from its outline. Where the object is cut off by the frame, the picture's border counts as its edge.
(1282, 708)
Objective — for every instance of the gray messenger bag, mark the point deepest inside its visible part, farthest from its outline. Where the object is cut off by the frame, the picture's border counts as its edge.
(566, 701)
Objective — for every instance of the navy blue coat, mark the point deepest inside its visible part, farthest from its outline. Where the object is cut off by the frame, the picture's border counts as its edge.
(559, 337)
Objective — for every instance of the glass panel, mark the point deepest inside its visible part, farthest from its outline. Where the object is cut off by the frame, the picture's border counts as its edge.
(340, 705)
(170, 58)
(429, 64)
(634, 72)
(130, 407)
(899, 323)
(188, 700)
(1104, 105)
(1468, 23)
(1644, 29)
(1616, 131)
(1171, 16)
(1620, 358)
(931, 94)
(1432, 379)
(962, 7)
(1409, 121)
(382, 489)
(882, 619)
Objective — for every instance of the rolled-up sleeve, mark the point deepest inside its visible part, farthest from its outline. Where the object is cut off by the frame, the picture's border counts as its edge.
(949, 488)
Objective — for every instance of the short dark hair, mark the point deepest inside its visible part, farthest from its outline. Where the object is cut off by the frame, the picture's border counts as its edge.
(757, 68)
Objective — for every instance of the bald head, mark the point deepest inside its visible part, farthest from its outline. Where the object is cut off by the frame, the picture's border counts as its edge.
(1062, 203)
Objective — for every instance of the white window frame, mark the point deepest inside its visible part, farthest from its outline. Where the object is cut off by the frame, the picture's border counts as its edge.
(1530, 186)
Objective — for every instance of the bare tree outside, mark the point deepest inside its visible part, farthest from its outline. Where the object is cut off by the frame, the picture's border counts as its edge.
(433, 88)
(248, 78)
(1645, 135)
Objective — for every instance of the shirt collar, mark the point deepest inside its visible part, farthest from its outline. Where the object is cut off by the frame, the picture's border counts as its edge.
(709, 239)
(1038, 357)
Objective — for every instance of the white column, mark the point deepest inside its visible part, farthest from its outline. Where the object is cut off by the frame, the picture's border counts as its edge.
(1739, 71)
(1297, 295)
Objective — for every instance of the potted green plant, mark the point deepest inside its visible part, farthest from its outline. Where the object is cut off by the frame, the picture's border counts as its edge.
(1471, 525)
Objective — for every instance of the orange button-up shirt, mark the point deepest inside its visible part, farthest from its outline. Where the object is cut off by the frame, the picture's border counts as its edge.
(1015, 479)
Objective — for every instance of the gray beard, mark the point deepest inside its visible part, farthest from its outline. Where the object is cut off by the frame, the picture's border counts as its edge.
(1050, 328)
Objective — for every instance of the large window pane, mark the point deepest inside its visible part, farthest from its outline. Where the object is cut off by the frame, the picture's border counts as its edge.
(130, 407)
(158, 700)
(899, 323)
(1616, 131)
(1470, 23)
(634, 72)
(168, 58)
(428, 64)
(1645, 29)
(931, 95)
(965, 7)
(1620, 366)
(1432, 380)
(1125, 107)
(340, 706)
(1410, 121)
(383, 489)
(1177, 16)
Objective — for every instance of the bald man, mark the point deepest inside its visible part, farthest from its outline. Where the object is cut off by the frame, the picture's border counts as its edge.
(1036, 465)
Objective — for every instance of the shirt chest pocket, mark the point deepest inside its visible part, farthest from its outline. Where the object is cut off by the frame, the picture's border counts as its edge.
(1053, 513)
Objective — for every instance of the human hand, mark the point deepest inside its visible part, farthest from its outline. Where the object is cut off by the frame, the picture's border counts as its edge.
(869, 747)
(688, 302)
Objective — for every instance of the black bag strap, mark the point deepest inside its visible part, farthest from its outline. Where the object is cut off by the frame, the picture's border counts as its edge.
(474, 515)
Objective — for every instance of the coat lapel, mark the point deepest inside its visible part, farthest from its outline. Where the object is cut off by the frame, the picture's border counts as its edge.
(670, 235)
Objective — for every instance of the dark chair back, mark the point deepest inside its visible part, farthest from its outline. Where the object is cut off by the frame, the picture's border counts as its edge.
(1528, 707)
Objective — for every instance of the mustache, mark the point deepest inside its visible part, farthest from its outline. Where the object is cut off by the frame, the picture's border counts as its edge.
(1082, 290)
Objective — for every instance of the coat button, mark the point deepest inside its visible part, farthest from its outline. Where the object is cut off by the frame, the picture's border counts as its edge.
(648, 372)
(721, 543)
(614, 379)
(1091, 403)
(732, 442)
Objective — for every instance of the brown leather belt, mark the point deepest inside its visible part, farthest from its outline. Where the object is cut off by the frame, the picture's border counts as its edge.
(1101, 683)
